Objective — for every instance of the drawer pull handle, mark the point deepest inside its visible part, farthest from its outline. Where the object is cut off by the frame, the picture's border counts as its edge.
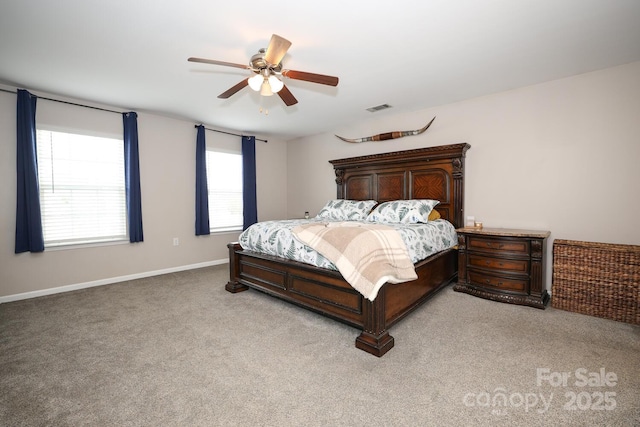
(488, 281)
(501, 264)
(490, 245)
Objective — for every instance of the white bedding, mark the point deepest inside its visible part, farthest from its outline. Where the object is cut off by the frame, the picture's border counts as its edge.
(276, 238)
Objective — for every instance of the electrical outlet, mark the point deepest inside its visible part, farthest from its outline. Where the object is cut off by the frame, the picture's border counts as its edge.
(471, 221)
(176, 241)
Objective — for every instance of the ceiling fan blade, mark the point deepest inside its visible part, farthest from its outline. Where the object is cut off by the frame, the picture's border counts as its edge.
(311, 77)
(234, 89)
(277, 49)
(214, 62)
(287, 96)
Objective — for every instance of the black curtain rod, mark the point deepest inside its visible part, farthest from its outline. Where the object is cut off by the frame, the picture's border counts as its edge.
(67, 102)
(116, 112)
(229, 133)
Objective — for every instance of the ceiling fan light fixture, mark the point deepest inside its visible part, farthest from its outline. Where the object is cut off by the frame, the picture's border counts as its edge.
(255, 82)
(276, 84)
(268, 70)
(265, 89)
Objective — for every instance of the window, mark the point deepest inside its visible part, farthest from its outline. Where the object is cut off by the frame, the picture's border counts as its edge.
(224, 181)
(82, 188)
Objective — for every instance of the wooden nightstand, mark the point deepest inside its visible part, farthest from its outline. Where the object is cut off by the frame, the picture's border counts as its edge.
(501, 264)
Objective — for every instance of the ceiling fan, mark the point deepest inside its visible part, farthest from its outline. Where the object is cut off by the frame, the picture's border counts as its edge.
(267, 67)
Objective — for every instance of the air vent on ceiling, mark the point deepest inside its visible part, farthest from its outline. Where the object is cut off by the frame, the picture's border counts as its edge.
(378, 108)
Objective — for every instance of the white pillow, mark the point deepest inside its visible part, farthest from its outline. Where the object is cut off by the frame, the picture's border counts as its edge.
(403, 211)
(346, 210)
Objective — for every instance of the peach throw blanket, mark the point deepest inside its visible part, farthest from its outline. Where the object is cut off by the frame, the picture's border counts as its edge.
(367, 255)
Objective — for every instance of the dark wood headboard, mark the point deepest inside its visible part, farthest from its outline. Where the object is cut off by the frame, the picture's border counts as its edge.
(425, 173)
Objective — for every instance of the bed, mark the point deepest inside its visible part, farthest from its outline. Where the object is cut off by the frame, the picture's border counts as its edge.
(428, 173)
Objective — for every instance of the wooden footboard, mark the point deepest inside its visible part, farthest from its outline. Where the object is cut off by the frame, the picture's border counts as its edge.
(326, 292)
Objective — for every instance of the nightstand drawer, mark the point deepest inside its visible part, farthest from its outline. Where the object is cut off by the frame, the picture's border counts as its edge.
(499, 245)
(510, 265)
(488, 281)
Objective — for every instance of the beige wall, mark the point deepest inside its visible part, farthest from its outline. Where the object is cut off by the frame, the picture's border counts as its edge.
(561, 156)
(167, 168)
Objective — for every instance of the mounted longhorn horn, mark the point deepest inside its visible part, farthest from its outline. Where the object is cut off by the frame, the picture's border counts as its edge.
(389, 135)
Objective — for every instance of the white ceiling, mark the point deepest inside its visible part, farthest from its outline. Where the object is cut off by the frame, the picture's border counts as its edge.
(409, 54)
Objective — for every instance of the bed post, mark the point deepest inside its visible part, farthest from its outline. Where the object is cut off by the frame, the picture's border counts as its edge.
(375, 338)
(234, 285)
(340, 182)
(458, 190)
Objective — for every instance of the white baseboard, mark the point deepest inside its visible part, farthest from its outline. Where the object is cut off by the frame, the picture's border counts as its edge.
(108, 281)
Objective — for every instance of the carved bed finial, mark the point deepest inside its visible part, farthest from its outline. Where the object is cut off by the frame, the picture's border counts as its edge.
(457, 168)
(339, 176)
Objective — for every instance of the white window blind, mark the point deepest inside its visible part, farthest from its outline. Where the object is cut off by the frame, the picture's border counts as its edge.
(224, 181)
(82, 188)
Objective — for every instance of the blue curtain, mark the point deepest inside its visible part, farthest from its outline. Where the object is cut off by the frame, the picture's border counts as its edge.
(250, 204)
(202, 191)
(29, 236)
(132, 176)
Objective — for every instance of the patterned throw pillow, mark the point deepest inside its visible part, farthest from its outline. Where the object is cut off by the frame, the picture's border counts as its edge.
(346, 210)
(403, 211)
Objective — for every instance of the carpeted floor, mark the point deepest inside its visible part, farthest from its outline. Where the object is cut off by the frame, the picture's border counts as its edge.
(179, 350)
